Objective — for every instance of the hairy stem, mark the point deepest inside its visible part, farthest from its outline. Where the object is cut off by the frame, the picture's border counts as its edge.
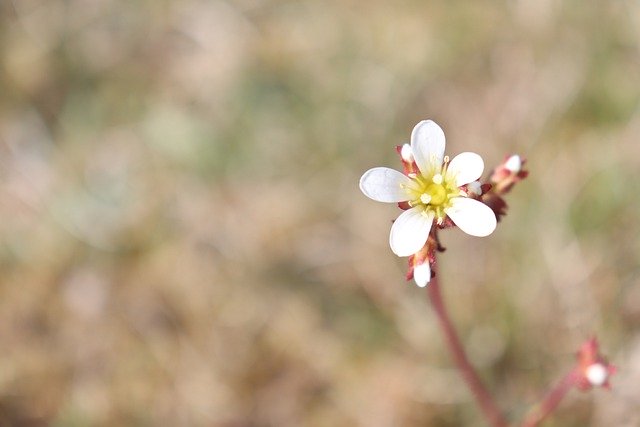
(481, 394)
(551, 400)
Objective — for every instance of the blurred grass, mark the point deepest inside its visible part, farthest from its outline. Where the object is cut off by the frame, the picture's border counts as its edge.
(183, 241)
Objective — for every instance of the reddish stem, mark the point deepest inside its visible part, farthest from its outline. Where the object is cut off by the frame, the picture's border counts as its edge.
(481, 394)
(551, 400)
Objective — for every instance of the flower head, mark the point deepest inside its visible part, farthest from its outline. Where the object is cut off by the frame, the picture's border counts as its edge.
(593, 368)
(433, 188)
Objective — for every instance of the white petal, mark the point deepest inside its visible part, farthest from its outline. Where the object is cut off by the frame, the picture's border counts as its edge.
(596, 374)
(472, 217)
(427, 144)
(422, 274)
(475, 188)
(513, 164)
(406, 153)
(385, 185)
(465, 167)
(410, 231)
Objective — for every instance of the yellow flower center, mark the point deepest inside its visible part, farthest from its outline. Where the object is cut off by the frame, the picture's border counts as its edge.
(434, 193)
(437, 193)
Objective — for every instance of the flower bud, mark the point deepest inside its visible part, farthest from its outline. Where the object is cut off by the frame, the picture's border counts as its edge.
(507, 174)
(513, 164)
(593, 368)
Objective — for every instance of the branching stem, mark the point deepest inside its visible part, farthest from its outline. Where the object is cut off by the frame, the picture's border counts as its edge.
(551, 400)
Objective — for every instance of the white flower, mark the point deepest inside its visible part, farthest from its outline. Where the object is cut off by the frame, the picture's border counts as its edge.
(433, 192)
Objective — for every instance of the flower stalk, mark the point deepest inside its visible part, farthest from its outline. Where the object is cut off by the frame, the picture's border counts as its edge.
(471, 377)
(551, 401)
(591, 370)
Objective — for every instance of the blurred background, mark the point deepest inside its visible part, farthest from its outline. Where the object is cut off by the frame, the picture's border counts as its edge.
(183, 241)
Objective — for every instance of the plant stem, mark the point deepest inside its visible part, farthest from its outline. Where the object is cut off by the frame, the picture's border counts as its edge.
(481, 394)
(551, 400)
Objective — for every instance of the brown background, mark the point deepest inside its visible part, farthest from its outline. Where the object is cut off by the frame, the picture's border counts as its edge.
(183, 242)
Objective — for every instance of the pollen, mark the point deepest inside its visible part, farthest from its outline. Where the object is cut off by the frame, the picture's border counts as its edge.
(425, 198)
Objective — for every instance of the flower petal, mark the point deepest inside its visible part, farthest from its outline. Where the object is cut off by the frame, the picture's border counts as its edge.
(513, 164)
(422, 274)
(410, 231)
(427, 144)
(465, 167)
(385, 185)
(475, 188)
(471, 216)
(597, 374)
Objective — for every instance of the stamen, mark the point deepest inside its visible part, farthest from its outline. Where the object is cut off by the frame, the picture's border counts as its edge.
(425, 198)
(419, 179)
(437, 178)
(445, 164)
